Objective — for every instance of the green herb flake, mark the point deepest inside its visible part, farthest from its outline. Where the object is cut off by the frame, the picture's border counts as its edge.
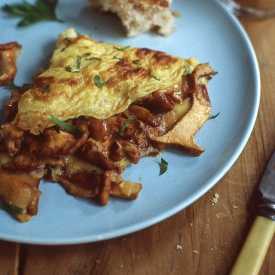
(163, 166)
(68, 127)
(124, 125)
(122, 49)
(4, 207)
(13, 86)
(115, 57)
(28, 86)
(69, 69)
(78, 62)
(213, 117)
(93, 58)
(188, 69)
(156, 78)
(46, 89)
(42, 10)
(136, 62)
(15, 209)
(68, 44)
(12, 208)
(98, 81)
(78, 65)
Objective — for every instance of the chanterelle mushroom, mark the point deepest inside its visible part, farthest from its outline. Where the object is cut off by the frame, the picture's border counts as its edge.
(8, 58)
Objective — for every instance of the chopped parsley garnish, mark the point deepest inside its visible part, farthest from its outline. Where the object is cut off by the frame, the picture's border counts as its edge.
(188, 69)
(15, 209)
(122, 49)
(42, 10)
(213, 117)
(78, 62)
(13, 86)
(12, 208)
(163, 166)
(136, 62)
(46, 89)
(93, 58)
(68, 44)
(124, 125)
(68, 127)
(78, 66)
(98, 81)
(156, 78)
(115, 57)
(69, 69)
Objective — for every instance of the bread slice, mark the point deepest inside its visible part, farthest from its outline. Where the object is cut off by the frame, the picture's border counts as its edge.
(140, 16)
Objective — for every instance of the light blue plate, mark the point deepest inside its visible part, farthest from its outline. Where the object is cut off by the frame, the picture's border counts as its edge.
(204, 30)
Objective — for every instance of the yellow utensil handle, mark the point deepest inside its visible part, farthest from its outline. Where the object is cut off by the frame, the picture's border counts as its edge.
(253, 252)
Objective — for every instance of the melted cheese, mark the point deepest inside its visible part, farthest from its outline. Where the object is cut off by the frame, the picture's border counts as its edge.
(128, 74)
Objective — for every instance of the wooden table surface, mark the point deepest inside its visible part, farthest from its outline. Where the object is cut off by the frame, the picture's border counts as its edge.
(201, 239)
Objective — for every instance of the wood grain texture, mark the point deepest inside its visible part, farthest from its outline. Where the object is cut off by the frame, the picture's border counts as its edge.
(9, 258)
(203, 239)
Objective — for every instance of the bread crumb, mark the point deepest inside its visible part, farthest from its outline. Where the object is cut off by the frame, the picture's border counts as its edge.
(235, 207)
(214, 199)
(179, 247)
(191, 224)
(176, 14)
(196, 251)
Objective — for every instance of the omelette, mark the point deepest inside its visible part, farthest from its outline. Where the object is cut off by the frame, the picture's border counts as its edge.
(97, 108)
(124, 74)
